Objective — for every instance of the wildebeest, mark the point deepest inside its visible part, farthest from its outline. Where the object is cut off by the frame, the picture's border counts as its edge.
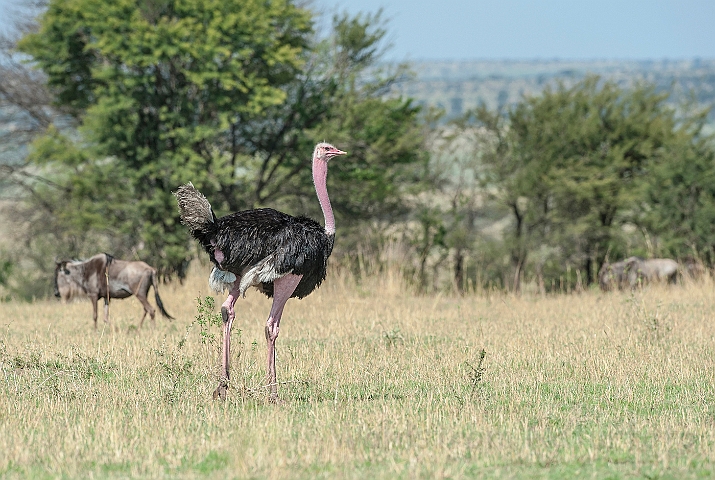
(614, 275)
(653, 270)
(90, 278)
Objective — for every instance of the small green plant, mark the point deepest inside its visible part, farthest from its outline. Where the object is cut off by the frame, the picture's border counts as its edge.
(33, 361)
(174, 368)
(393, 337)
(206, 317)
(209, 322)
(476, 373)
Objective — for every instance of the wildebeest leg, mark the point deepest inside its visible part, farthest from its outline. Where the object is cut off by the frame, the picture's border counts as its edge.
(283, 288)
(228, 314)
(106, 310)
(94, 308)
(141, 296)
(141, 322)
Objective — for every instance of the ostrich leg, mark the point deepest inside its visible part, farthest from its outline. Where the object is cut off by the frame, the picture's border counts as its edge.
(283, 288)
(228, 314)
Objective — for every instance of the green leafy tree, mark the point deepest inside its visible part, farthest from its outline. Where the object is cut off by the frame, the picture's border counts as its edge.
(515, 184)
(342, 95)
(679, 205)
(572, 165)
(231, 95)
(154, 84)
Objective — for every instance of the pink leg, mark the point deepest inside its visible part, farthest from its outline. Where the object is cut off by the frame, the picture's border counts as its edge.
(228, 314)
(283, 288)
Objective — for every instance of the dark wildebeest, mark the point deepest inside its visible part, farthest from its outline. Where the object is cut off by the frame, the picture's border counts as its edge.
(642, 271)
(90, 278)
(614, 275)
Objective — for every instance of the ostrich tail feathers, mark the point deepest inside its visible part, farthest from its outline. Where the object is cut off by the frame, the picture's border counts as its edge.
(195, 210)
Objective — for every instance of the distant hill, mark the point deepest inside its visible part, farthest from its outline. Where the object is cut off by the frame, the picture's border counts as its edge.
(459, 86)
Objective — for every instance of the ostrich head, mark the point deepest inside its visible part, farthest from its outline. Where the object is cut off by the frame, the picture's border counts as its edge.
(325, 151)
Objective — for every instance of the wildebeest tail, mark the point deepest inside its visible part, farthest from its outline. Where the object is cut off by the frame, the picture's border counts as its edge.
(159, 303)
(196, 212)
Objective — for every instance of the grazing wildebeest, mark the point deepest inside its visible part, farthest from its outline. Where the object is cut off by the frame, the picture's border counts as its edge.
(614, 275)
(90, 278)
(642, 271)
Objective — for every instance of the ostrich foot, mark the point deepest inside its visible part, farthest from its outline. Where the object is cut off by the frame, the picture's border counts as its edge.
(220, 392)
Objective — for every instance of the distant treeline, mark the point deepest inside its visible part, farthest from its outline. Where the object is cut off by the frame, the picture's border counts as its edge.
(457, 87)
(124, 101)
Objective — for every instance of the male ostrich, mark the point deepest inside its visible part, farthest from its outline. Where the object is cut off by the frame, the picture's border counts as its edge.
(280, 255)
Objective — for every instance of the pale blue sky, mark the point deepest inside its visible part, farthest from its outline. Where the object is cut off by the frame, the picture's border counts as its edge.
(536, 29)
(545, 29)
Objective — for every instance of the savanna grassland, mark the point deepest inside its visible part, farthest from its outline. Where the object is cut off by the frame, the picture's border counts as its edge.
(379, 383)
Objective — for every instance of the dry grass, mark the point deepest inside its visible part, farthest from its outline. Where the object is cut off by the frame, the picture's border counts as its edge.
(380, 384)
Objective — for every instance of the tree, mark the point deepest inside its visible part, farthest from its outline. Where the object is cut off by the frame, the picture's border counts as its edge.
(153, 85)
(572, 164)
(679, 204)
(26, 112)
(515, 184)
(25, 103)
(343, 94)
(457, 178)
(230, 95)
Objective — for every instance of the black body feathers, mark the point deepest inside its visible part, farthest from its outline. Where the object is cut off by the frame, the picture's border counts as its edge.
(243, 240)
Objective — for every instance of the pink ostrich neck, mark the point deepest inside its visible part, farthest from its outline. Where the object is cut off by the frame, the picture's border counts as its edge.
(320, 176)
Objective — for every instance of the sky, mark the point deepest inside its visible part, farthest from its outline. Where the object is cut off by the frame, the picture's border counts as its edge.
(542, 29)
(535, 29)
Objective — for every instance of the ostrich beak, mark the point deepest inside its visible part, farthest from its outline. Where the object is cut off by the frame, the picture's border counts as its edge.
(334, 153)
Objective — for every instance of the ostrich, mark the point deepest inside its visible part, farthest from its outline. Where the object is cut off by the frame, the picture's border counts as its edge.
(281, 255)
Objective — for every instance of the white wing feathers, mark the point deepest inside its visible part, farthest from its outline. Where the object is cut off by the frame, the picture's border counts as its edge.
(221, 280)
(263, 271)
